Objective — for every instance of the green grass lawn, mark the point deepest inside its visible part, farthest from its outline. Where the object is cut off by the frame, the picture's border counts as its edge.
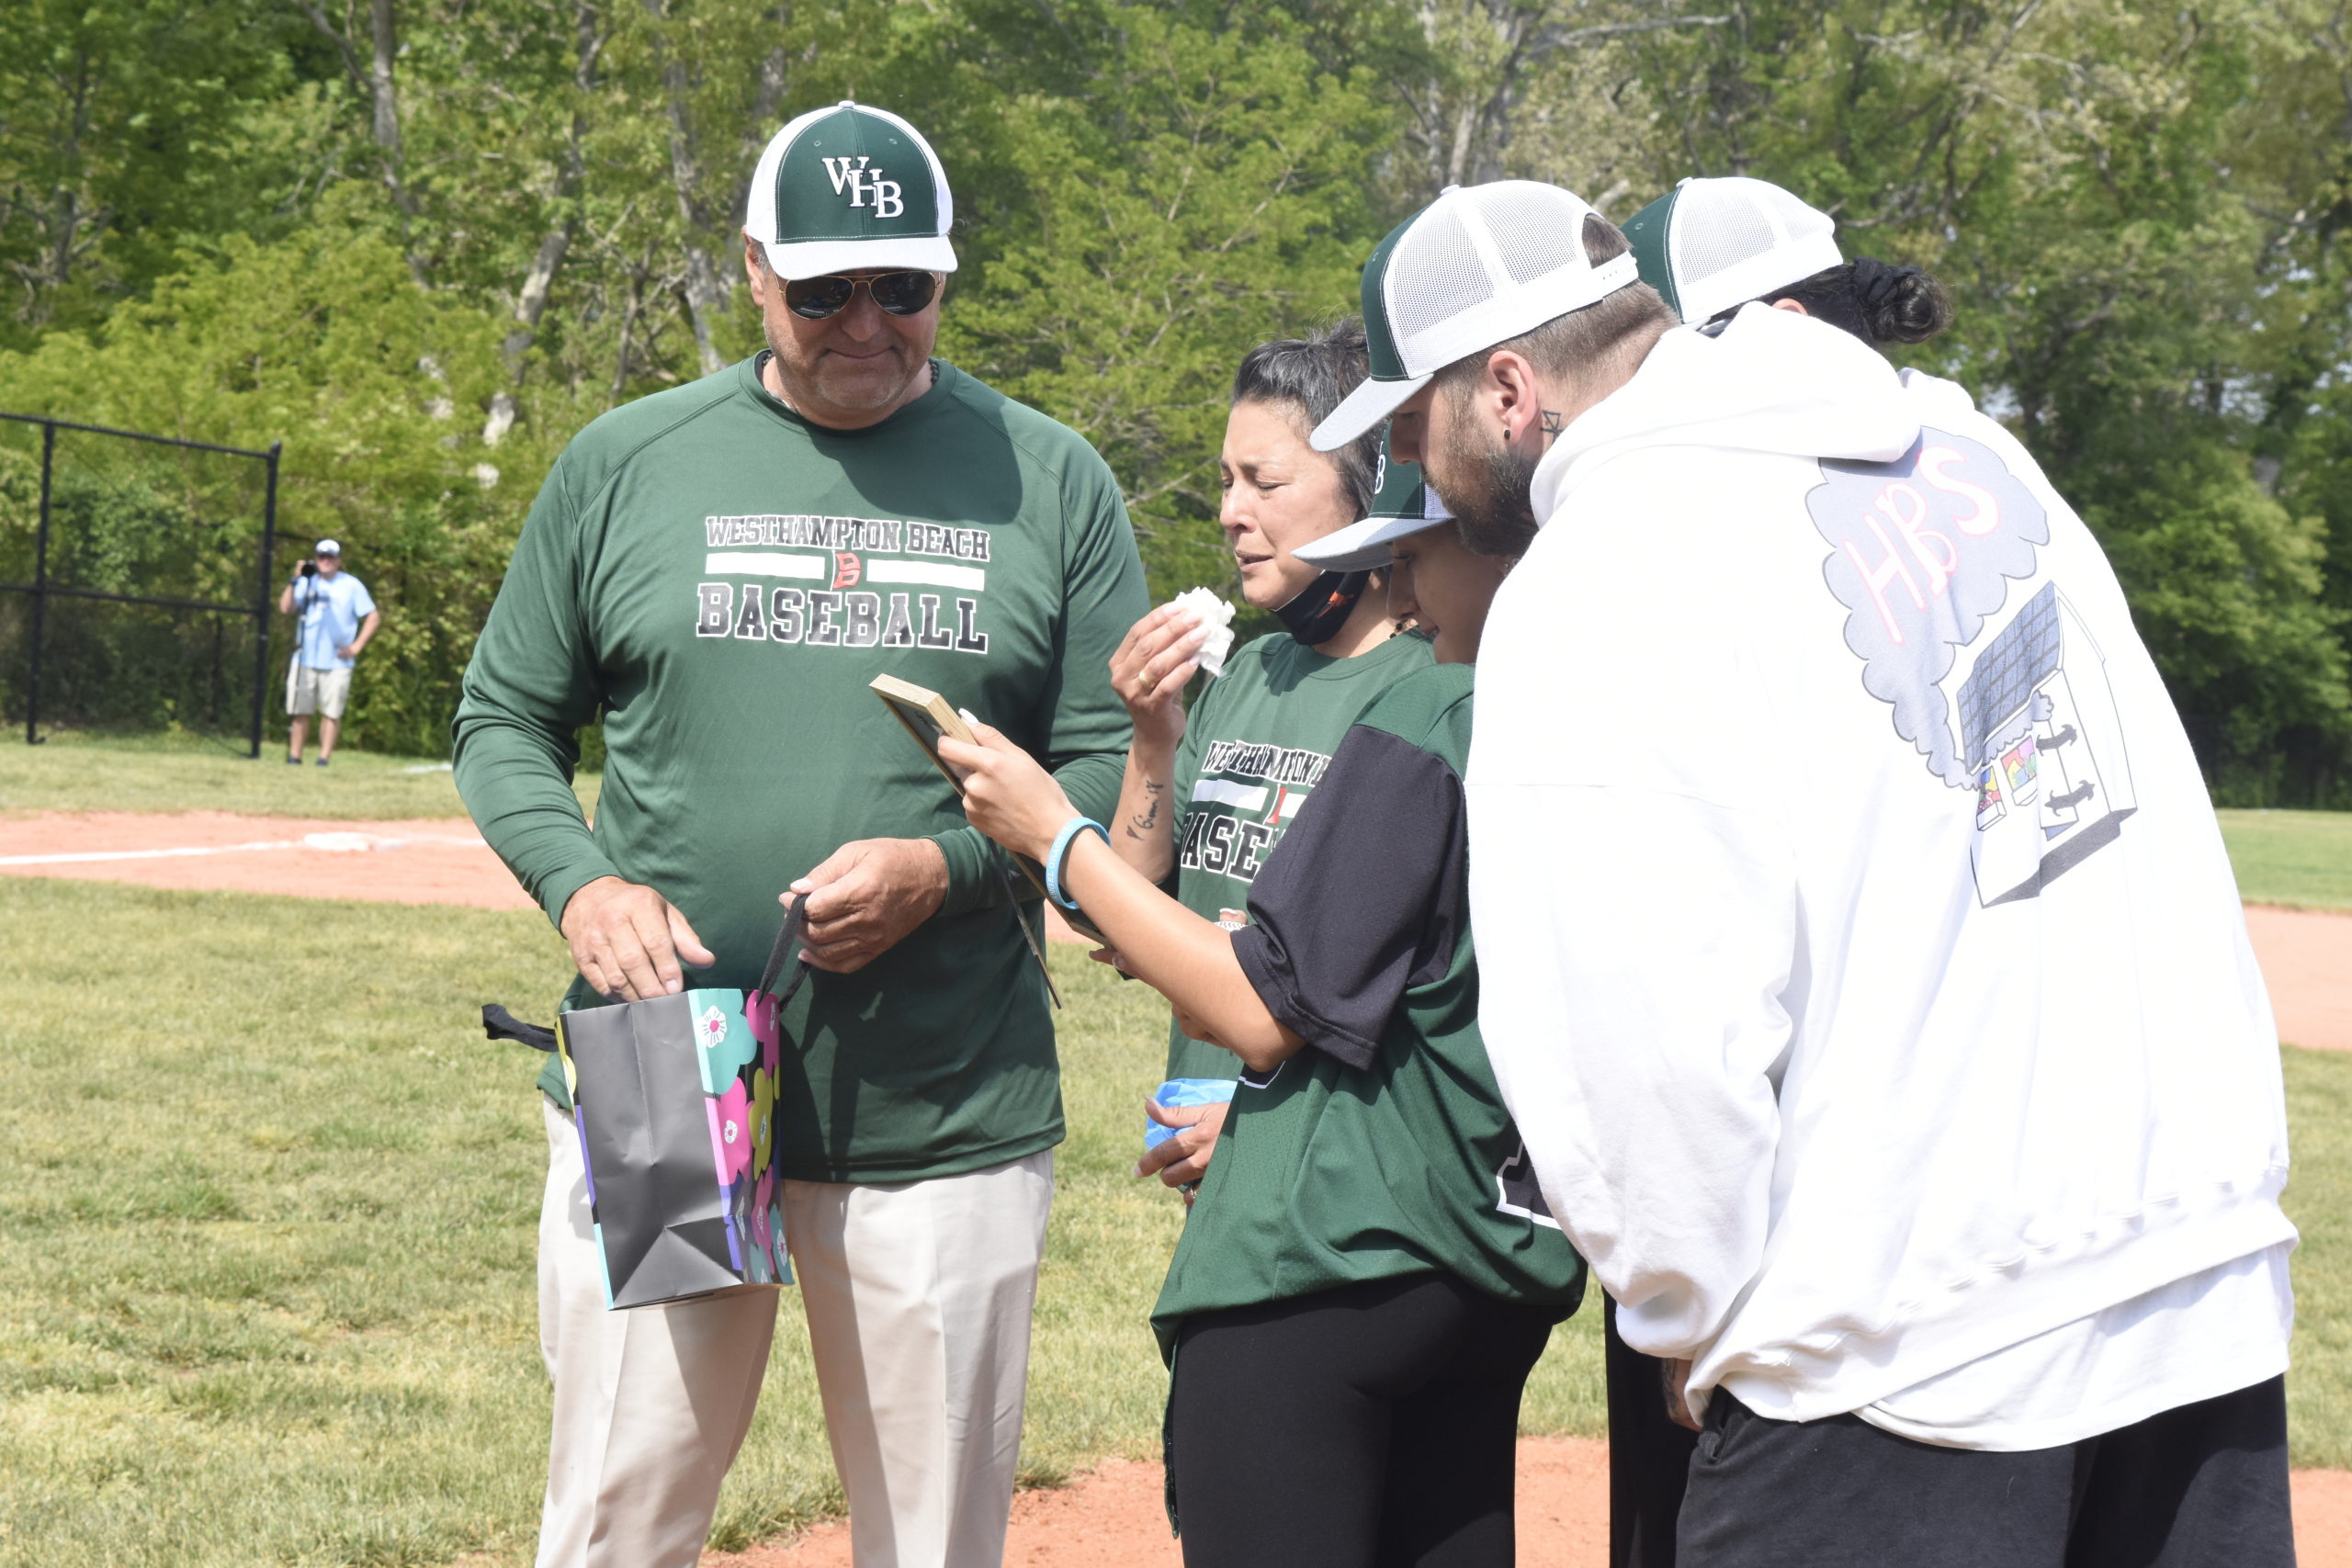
(266, 1226)
(71, 771)
(2299, 858)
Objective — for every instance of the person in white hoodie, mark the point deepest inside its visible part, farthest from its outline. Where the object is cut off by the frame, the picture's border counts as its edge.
(1709, 246)
(1861, 960)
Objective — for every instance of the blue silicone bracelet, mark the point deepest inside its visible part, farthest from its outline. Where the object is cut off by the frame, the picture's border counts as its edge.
(1061, 853)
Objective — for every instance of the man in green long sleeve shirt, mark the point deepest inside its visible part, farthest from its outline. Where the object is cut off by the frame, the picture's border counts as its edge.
(717, 571)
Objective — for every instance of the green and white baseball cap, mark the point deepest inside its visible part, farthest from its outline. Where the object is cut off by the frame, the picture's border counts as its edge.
(1478, 267)
(1708, 245)
(851, 187)
(1404, 504)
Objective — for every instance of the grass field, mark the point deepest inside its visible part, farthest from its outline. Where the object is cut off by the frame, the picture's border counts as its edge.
(267, 1210)
(2299, 858)
(267, 1203)
(71, 772)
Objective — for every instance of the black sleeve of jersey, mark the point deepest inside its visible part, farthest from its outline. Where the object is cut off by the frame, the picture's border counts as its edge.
(1364, 897)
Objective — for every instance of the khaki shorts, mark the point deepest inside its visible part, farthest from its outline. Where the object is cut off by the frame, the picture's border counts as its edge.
(316, 691)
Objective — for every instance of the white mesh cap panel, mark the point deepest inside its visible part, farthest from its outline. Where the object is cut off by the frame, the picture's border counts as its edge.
(1444, 272)
(1796, 220)
(1717, 228)
(1478, 267)
(1734, 240)
(1533, 235)
(1459, 291)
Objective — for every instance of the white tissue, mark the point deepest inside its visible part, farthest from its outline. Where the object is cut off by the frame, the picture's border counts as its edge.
(1214, 613)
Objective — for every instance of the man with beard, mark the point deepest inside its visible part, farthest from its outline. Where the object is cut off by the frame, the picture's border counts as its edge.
(1861, 963)
(1592, 312)
(716, 573)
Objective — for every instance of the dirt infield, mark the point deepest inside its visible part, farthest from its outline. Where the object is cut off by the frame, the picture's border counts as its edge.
(2306, 957)
(426, 862)
(1112, 1517)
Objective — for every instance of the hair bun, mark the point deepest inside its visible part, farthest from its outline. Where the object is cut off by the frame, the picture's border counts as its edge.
(1899, 304)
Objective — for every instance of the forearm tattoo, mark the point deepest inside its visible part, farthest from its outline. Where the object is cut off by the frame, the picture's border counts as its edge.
(1141, 823)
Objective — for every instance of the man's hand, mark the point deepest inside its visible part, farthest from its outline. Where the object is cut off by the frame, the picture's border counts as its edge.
(1185, 1156)
(865, 898)
(346, 650)
(628, 941)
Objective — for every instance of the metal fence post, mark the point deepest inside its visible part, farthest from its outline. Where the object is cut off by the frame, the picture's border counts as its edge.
(261, 604)
(40, 588)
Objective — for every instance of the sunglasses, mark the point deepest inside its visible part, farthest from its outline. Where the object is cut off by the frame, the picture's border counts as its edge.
(900, 293)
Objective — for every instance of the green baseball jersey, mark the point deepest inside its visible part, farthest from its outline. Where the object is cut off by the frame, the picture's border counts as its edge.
(1255, 748)
(721, 578)
(1381, 1148)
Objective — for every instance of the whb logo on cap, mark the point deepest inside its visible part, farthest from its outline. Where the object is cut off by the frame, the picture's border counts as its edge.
(850, 187)
(854, 176)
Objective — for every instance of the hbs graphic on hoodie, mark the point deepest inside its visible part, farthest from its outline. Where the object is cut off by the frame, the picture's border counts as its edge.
(1861, 962)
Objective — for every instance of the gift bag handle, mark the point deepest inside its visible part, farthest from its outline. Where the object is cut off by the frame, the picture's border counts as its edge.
(787, 952)
(497, 1023)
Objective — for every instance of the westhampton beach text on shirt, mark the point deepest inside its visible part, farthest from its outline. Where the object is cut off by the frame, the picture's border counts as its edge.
(836, 557)
(1233, 824)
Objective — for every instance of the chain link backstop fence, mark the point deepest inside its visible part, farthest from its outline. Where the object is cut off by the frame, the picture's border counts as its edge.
(136, 590)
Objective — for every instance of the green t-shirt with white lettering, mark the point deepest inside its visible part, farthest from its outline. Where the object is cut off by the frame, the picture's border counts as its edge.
(720, 580)
(1382, 1148)
(1255, 746)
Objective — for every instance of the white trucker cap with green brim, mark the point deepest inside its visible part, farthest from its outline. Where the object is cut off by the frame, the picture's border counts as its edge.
(1479, 266)
(850, 187)
(1710, 244)
(1403, 504)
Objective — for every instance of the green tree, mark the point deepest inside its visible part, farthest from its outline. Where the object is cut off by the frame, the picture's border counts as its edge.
(2127, 300)
(425, 241)
(128, 130)
(1205, 191)
(323, 339)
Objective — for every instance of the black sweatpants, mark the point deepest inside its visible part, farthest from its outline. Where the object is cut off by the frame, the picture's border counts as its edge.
(1649, 1456)
(1373, 1426)
(2201, 1486)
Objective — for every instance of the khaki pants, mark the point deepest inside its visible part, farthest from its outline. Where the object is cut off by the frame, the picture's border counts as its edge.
(918, 1296)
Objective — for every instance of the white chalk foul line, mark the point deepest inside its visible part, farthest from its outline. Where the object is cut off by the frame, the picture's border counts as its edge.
(333, 843)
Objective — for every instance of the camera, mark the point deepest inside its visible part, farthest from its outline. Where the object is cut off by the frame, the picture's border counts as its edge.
(309, 568)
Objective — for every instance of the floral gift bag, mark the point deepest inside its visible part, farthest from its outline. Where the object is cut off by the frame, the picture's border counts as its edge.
(675, 1099)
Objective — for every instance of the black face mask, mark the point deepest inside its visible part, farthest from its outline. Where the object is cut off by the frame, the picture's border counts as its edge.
(1316, 614)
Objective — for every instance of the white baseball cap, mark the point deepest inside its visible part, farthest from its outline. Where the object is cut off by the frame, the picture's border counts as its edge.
(1708, 245)
(326, 547)
(1478, 267)
(1404, 504)
(849, 186)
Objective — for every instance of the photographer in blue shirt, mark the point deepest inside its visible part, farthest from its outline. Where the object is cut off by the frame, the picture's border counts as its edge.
(335, 619)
